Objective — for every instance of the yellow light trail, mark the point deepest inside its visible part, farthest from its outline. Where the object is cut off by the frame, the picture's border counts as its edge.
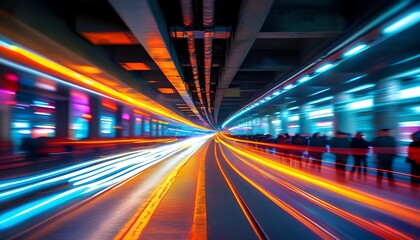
(312, 225)
(317, 149)
(385, 233)
(405, 213)
(269, 155)
(113, 141)
(254, 225)
(95, 85)
(199, 227)
(135, 226)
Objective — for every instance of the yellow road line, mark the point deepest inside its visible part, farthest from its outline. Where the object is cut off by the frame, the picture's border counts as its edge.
(135, 226)
(199, 227)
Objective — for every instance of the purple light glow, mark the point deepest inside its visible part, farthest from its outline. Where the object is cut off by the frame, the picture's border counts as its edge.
(126, 116)
(7, 92)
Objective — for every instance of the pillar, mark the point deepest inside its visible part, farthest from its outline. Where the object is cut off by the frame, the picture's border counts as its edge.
(344, 118)
(5, 120)
(305, 123)
(132, 124)
(386, 105)
(95, 111)
(284, 118)
(118, 121)
(62, 114)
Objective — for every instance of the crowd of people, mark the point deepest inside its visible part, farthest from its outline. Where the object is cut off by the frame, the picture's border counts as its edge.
(302, 147)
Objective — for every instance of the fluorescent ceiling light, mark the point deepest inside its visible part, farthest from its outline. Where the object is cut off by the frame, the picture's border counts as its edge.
(410, 92)
(321, 91)
(303, 79)
(324, 68)
(361, 104)
(360, 88)
(355, 78)
(355, 50)
(321, 100)
(294, 118)
(293, 108)
(288, 87)
(327, 112)
(403, 23)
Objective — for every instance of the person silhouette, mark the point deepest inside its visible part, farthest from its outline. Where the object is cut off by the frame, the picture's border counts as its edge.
(414, 159)
(384, 146)
(360, 149)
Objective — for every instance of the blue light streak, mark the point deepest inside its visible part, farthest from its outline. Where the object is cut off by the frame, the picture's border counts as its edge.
(403, 23)
(131, 164)
(355, 50)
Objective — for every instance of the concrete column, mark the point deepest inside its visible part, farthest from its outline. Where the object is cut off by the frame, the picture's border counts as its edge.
(251, 126)
(344, 118)
(256, 128)
(118, 121)
(132, 124)
(305, 123)
(5, 121)
(271, 125)
(62, 114)
(386, 105)
(284, 117)
(143, 127)
(95, 111)
(9, 86)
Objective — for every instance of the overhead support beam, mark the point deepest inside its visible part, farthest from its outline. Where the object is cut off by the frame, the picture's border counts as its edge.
(302, 21)
(147, 23)
(279, 35)
(271, 60)
(252, 15)
(208, 24)
(220, 32)
(102, 32)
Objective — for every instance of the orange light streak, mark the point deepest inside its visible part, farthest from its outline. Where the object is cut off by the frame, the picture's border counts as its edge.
(314, 149)
(403, 212)
(384, 233)
(312, 225)
(135, 226)
(199, 227)
(96, 86)
(254, 225)
(111, 141)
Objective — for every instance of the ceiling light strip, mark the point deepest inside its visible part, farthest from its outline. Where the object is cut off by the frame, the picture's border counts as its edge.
(324, 64)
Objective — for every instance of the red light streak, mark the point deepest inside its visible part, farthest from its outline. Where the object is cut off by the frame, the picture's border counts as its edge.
(403, 212)
(385, 233)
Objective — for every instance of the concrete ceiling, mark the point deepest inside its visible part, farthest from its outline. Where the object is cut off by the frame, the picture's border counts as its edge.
(255, 44)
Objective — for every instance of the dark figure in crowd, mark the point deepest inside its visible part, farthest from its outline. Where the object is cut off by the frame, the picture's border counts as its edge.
(284, 139)
(384, 146)
(300, 142)
(414, 159)
(317, 148)
(339, 146)
(360, 150)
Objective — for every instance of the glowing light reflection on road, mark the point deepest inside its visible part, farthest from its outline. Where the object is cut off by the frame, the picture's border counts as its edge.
(86, 185)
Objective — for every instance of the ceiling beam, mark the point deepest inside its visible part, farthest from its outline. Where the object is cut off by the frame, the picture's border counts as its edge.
(147, 23)
(252, 15)
(270, 60)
